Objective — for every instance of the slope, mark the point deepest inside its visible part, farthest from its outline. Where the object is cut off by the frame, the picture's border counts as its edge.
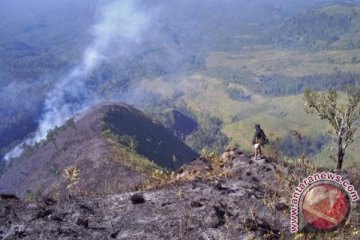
(228, 198)
(335, 26)
(279, 116)
(97, 163)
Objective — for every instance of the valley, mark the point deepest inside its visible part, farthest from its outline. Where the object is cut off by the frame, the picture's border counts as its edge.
(134, 119)
(252, 69)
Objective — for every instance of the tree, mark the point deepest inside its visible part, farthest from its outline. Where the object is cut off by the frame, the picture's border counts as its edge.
(51, 136)
(341, 113)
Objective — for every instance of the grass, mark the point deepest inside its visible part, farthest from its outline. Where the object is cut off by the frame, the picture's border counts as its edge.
(150, 139)
(287, 175)
(277, 115)
(262, 60)
(128, 156)
(290, 179)
(342, 10)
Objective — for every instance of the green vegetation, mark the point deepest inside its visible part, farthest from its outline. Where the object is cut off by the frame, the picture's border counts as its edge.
(279, 116)
(209, 135)
(125, 152)
(278, 72)
(33, 196)
(295, 145)
(199, 130)
(238, 94)
(53, 133)
(138, 133)
(176, 120)
(329, 27)
(341, 116)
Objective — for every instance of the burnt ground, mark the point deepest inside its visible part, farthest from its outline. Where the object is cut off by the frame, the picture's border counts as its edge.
(234, 199)
(227, 197)
(80, 145)
(198, 208)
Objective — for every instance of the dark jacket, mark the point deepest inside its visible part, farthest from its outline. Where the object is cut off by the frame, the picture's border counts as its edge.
(260, 137)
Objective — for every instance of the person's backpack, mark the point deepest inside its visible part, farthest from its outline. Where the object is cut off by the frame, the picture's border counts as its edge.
(264, 139)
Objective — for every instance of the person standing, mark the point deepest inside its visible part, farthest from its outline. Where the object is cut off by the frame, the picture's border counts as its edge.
(258, 141)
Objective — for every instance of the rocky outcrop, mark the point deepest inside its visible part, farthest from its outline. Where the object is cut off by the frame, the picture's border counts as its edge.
(229, 207)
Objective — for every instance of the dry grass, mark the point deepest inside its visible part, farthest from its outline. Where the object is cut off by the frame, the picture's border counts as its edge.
(71, 175)
(288, 175)
(219, 169)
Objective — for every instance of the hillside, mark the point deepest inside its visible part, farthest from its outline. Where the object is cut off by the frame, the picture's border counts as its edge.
(207, 77)
(263, 82)
(335, 26)
(235, 118)
(110, 148)
(194, 77)
(231, 197)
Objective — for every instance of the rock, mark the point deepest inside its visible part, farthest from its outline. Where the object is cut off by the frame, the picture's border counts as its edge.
(255, 179)
(225, 156)
(281, 207)
(49, 201)
(58, 217)
(261, 161)
(220, 215)
(260, 225)
(137, 199)
(230, 154)
(203, 208)
(196, 204)
(8, 196)
(83, 222)
(115, 234)
(86, 209)
(43, 213)
(219, 187)
(251, 225)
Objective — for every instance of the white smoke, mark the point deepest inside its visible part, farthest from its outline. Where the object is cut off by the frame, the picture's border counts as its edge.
(121, 25)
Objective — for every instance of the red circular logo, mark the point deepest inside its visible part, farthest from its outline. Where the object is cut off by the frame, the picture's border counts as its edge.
(325, 206)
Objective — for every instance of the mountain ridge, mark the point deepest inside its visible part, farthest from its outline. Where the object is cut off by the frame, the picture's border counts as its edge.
(81, 145)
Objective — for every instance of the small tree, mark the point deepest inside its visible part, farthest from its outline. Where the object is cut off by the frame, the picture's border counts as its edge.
(51, 136)
(340, 114)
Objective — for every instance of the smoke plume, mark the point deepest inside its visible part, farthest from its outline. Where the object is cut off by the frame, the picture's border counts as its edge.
(120, 27)
(132, 42)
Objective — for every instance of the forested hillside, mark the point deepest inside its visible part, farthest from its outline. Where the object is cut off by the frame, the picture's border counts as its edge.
(330, 27)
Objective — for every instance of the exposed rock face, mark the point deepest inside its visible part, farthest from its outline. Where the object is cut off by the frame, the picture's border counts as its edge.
(229, 208)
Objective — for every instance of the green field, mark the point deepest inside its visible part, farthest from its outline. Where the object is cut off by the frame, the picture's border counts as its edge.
(262, 60)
